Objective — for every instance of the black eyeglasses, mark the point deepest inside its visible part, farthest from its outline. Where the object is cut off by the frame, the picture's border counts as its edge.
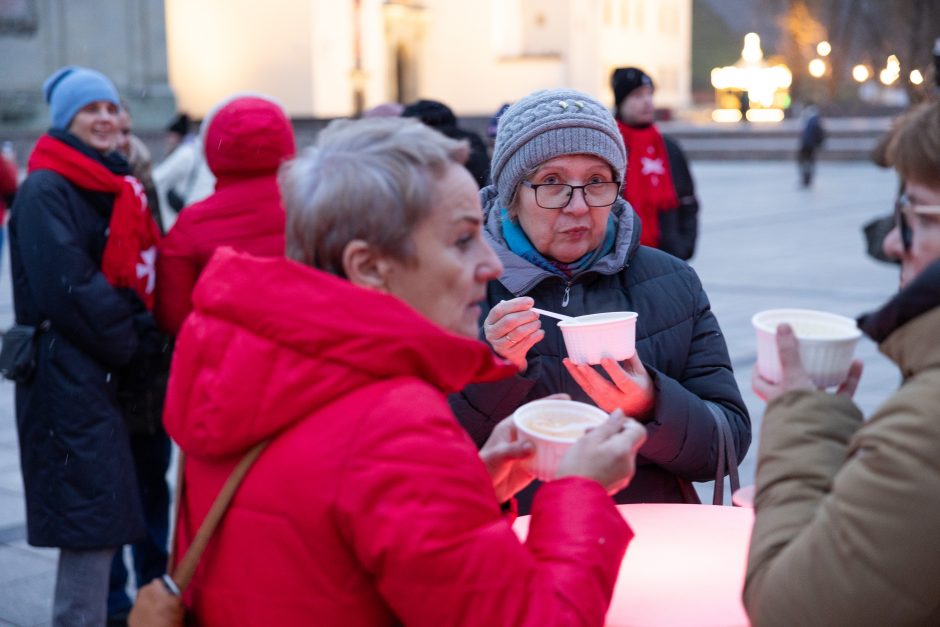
(902, 207)
(559, 195)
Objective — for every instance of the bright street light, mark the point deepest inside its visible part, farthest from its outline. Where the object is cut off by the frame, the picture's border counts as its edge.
(823, 48)
(861, 73)
(916, 77)
(817, 67)
(892, 71)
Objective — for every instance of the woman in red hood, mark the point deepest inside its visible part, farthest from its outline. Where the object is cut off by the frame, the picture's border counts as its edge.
(371, 505)
(247, 138)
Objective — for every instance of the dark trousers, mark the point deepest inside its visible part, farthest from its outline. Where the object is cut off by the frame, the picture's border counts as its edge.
(151, 459)
(807, 163)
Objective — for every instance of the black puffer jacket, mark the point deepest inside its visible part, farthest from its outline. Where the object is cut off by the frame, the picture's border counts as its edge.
(81, 490)
(677, 337)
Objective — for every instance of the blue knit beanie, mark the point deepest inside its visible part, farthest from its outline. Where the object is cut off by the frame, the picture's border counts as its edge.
(548, 124)
(71, 88)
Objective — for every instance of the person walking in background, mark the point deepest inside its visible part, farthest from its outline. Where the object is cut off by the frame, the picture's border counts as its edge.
(82, 248)
(569, 243)
(744, 105)
(658, 182)
(812, 137)
(370, 505)
(846, 509)
(439, 116)
(183, 177)
(247, 138)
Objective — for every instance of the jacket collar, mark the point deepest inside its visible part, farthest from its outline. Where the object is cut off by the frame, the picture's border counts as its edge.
(520, 276)
(913, 347)
(905, 325)
(922, 295)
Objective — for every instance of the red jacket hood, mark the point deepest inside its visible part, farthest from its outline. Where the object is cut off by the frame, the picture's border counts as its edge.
(270, 338)
(249, 136)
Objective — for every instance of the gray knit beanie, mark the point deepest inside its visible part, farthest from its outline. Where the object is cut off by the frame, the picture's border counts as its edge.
(547, 124)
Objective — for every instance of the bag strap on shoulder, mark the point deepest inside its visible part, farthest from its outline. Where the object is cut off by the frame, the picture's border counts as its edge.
(183, 573)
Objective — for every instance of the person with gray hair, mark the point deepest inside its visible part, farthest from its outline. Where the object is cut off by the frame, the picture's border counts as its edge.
(369, 504)
(569, 243)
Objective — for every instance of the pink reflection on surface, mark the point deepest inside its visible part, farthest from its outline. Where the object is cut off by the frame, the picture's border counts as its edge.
(684, 568)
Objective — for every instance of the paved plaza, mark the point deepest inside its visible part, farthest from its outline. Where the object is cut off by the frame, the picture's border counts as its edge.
(764, 243)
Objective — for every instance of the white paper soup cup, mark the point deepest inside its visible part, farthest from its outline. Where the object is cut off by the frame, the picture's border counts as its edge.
(827, 342)
(590, 338)
(553, 426)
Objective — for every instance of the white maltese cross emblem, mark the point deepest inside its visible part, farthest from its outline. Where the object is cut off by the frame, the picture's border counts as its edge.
(147, 268)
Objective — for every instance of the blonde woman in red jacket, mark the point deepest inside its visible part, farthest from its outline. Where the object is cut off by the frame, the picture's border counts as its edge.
(371, 505)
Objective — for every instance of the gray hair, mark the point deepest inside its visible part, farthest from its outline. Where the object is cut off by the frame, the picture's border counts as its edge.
(370, 179)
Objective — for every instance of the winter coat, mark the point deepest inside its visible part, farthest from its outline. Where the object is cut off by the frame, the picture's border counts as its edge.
(846, 510)
(78, 474)
(245, 145)
(813, 134)
(678, 228)
(370, 504)
(677, 338)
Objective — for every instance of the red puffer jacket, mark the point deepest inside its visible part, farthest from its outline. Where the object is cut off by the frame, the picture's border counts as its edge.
(246, 142)
(371, 504)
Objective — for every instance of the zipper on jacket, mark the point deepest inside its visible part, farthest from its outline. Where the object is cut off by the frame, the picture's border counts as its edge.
(564, 300)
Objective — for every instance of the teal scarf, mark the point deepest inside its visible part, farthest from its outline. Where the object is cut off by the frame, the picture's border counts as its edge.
(518, 242)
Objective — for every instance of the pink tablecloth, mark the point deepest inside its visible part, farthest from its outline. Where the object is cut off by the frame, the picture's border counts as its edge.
(684, 568)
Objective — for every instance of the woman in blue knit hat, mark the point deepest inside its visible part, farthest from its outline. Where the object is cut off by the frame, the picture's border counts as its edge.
(570, 243)
(82, 250)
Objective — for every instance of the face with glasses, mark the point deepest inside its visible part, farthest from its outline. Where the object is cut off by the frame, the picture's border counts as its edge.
(564, 205)
(915, 238)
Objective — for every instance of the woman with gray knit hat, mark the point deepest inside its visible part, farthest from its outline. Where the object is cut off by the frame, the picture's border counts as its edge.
(570, 243)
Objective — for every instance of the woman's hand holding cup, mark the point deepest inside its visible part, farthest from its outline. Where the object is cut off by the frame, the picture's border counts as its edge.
(606, 453)
(512, 328)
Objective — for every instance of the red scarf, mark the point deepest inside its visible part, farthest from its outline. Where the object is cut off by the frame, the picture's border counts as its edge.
(131, 249)
(649, 187)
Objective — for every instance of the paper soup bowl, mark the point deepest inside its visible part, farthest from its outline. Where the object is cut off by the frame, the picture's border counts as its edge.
(590, 338)
(827, 342)
(553, 426)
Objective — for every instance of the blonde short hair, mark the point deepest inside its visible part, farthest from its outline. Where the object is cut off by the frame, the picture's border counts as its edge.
(370, 179)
